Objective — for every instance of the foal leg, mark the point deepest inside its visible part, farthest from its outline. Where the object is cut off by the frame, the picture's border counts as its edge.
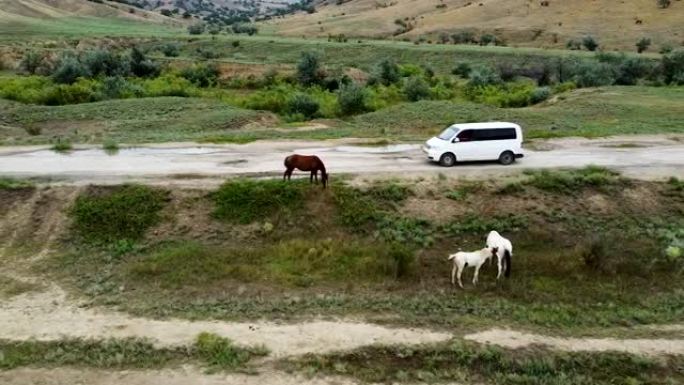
(476, 277)
(460, 271)
(453, 275)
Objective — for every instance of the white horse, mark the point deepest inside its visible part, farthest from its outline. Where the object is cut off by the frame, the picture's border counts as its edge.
(504, 254)
(462, 259)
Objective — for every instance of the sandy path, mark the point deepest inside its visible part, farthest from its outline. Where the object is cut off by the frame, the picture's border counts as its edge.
(182, 376)
(514, 339)
(49, 316)
(643, 157)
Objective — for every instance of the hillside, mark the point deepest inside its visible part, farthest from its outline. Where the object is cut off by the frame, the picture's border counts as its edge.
(520, 22)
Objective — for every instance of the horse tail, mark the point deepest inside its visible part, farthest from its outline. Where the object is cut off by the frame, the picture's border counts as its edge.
(452, 256)
(288, 160)
(507, 262)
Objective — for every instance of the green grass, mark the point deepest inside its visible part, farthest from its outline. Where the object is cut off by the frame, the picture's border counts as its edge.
(464, 362)
(590, 113)
(210, 350)
(110, 145)
(62, 145)
(297, 262)
(246, 200)
(160, 119)
(14, 184)
(571, 181)
(122, 213)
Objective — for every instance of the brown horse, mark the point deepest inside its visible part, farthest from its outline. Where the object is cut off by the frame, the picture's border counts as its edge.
(306, 163)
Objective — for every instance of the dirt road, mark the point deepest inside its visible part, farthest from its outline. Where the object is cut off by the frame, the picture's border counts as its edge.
(645, 157)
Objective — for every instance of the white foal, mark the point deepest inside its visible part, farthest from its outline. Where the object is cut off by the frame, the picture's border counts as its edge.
(504, 254)
(462, 259)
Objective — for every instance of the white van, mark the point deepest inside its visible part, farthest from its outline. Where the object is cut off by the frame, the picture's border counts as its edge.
(476, 141)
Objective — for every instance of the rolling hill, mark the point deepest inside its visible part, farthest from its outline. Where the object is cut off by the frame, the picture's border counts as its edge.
(616, 24)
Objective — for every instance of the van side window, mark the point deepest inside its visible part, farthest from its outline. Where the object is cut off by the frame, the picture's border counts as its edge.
(466, 135)
(495, 134)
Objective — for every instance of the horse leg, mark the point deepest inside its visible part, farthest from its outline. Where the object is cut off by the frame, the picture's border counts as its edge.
(453, 275)
(460, 271)
(476, 277)
(499, 261)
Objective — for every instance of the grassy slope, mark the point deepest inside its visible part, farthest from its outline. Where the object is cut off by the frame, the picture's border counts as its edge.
(128, 120)
(518, 21)
(596, 112)
(195, 264)
(590, 112)
(20, 19)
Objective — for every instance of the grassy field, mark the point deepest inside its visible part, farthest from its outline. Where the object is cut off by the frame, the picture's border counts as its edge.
(384, 247)
(591, 113)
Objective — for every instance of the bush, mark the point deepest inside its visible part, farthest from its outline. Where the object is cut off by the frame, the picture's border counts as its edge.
(103, 62)
(673, 67)
(168, 85)
(506, 95)
(31, 62)
(249, 29)
(142, 66)
(487, 39)
(235, 43)
(386, 72)
(463, 37)
(246, 200)
(303, 104)
(574, 45)
(69, 70)
(221, 353)
(540, 94)
(590, 43)
(203, 75)
(631, 69)
(170, 50)
(589, 74)
(120, 213)
(462, 69)
(196, 29)
(82, 91)
(571, 182)
(664, 3)
(643, 44)
(416, 89)
(351, 99)
(483, 76)
(309, 70)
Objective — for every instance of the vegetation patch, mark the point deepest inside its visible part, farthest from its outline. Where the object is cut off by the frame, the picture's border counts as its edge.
(15, 184)
(211, 350)
(107, 215)
(10, 287)
(472, 363)
(570, 181)
(246, 200)
(297, 262)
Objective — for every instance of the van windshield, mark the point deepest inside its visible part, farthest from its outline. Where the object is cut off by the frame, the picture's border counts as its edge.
(448, 133)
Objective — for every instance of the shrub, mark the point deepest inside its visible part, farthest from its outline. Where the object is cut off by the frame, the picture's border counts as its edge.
(69, 70)
(249, 29)
(203, 75)
(590, 43)
(463, 37)
(117, 87)
(123, 212)
(590, 74)
(196, 29)
(631, 69)
(416, 89)
(235, 43)
(351, 99)
(665, 49)
(664, 3)
(462, 69)
(62, 145)
(309, 70)
(82, 91)
(31, 61)
(673, 67)
(303, 104)
(214, 29)
(142, 66)
(574, 45)
(168, 85)
(103, 62)
(570, 182)
(386, 72)
(170, 50)
(245, 200)
(408, 70)
(643, 44)
(483, 76)
(221, 353)
(540, 94)
(487, 39)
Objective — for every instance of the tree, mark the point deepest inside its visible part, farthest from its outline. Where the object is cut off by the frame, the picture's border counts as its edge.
(196, 29)
(590, 43)
(387, 72)
(142, 66)
(69, 70)
(351, 98)
(31, 61)
(309, 70)
(643, 44)
(104, 62)
(416, 89)
(673, 67)
(303, 104)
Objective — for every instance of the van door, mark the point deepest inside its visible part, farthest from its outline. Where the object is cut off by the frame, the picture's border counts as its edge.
(465, 148)
(492, 142)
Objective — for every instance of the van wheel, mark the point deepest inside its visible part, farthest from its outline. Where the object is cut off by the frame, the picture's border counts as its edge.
(506, 158)
(447, 160)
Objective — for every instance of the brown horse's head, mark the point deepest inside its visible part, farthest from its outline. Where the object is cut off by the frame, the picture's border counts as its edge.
(324, 179)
